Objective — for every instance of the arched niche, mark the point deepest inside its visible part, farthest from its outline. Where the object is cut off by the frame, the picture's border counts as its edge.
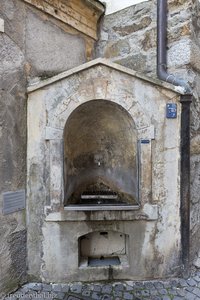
(100, 155)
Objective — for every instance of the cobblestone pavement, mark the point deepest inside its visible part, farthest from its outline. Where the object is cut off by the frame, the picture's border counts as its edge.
(173, 289)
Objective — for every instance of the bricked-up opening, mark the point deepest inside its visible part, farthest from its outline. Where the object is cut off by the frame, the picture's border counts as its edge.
(100, 155)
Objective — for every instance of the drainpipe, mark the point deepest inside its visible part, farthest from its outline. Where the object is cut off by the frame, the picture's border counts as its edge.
(185, 101)
(185, 182)
(162, 49)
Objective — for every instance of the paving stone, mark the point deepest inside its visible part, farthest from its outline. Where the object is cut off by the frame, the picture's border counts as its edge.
(189, 288)
(65, 288)
(190, 296)
(139, 284)
(137, 293)
(60, 295)
(174, 283)
(191, 282)
(181, 292)
(88, 287)
(149, 285)
(37, 287)
(178, 298)
(76, 288)
(145, 293)
(107, 289)
(97, 288)
(29, 285)
(117, 293)
(86, 293)
(167, 284)
(72, 298)
(183, 282)
(196, 278)
(162, 291)
(158, 285)
(129, 288)
(57, 287)
(154, 292)
(196, 291)
(173, 291)
(119, 287)
(128, 296)
(107, 297)
(166, 298)
(96, 296)
(46, 287)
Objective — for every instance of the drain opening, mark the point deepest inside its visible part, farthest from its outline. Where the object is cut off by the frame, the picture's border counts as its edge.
(103, 261)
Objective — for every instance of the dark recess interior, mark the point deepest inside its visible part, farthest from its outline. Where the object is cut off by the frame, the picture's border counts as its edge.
(100, 155)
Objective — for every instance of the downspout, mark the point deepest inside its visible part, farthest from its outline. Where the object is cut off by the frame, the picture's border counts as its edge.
(162, 49)
(185, 182)
(185, 100)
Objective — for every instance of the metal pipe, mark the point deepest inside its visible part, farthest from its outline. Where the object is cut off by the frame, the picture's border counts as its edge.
(185, 181)
(162, 49)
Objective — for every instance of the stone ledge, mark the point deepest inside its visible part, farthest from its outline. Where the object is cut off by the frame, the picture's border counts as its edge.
(149, 212)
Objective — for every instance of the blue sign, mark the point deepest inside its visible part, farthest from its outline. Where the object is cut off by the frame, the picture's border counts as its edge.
(145, 141)
(171, 111)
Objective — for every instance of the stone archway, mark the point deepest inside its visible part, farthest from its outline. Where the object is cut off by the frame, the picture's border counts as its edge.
(100, 154)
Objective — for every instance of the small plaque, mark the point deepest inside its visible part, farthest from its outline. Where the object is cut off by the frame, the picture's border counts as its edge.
(171, 111)
(145, 141)
(13, 201)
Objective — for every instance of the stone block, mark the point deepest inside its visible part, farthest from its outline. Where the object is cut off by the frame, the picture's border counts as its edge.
(179, 54)
(118, 48)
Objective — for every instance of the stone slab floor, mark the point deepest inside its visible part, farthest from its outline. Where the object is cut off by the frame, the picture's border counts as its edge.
(173, 289)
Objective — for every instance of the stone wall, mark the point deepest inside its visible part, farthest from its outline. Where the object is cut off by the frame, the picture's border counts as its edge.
(128, 37)
(34, 44)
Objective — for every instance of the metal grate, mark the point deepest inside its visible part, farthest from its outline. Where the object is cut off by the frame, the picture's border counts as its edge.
(99, 195)
(100, 198)
(13, 201)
